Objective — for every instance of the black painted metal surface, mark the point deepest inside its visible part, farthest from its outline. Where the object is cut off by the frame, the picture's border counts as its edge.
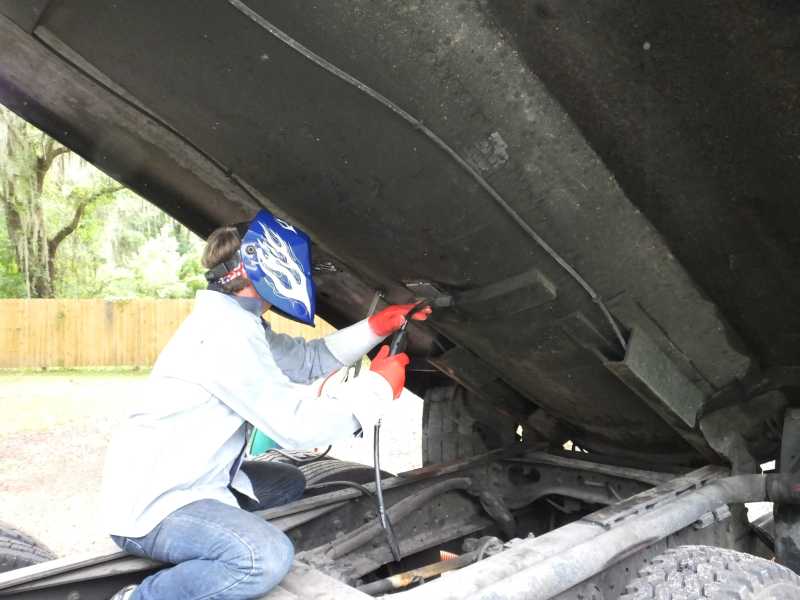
(654, 147)
(787, 516)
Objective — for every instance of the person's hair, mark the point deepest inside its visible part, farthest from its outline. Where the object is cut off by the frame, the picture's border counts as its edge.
(221, 245)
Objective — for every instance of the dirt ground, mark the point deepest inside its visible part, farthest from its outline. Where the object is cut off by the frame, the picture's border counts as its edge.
(55, 427)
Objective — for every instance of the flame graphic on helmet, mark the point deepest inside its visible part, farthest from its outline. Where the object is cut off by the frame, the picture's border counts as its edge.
(280, 265)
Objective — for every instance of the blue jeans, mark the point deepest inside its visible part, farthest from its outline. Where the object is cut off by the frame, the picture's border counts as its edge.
(219, 551)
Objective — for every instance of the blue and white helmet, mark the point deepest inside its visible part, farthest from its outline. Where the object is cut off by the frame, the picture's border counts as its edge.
(277, 259)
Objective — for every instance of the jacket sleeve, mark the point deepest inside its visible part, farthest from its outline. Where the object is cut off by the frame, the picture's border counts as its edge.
(306, 361)
(295, 415)
(351, 343)
(300, 360)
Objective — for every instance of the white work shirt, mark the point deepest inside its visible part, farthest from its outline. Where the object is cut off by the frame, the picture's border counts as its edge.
(215, 375)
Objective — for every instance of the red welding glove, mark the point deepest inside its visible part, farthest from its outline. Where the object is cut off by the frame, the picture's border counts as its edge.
(391, 368)
(391, 318)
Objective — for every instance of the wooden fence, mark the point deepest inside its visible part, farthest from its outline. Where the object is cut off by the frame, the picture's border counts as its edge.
(100, 333)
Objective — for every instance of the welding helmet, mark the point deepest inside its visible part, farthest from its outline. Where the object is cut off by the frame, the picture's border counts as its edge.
(277, 259)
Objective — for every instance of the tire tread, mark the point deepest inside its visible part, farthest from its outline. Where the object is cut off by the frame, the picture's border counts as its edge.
(18, 549)
(706, 572)
(449, 431)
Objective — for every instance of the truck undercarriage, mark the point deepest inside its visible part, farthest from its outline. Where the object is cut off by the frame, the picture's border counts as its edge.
(584, 527)
(599, 198)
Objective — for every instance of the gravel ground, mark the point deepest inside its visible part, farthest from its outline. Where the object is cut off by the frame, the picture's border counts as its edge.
(54, 429)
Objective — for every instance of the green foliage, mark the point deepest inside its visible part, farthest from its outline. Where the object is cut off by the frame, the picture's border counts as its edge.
(122, 247)
(12, 282)
(157, 269)
(25, 156)
(129, 249)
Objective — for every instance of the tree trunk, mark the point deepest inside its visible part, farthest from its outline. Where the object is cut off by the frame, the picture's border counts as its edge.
(26, 156)
(68, 229)
(41, 283)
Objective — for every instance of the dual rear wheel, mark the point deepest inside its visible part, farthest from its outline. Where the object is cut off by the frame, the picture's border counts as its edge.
(18, 549)
(709, 573)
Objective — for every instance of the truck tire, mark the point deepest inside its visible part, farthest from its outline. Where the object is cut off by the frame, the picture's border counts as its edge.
(324, 470)
(457, 424)
(339, 470)
(708, 573)
(18, 549)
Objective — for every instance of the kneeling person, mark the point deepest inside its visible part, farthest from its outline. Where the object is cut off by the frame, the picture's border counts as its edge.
(173, 473)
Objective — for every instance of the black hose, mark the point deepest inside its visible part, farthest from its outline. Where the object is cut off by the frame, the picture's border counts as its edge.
(302, 461)
(385, 521)
(352, 484)
(396, 346)
(358, 537)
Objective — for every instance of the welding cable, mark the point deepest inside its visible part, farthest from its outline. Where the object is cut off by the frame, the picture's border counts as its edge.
(364, 490)
(442, 145)
(386, 523)
(398, 511)
(396, 346)
(302, 461)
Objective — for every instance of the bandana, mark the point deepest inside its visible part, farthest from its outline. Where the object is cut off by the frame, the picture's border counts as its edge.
(237, 271)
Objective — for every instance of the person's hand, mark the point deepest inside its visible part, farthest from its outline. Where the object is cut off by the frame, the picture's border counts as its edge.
(391, 368)
(392, 318)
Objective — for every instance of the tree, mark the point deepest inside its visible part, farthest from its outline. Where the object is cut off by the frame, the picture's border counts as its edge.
(27, 157)
(71, 231)
(145, 253)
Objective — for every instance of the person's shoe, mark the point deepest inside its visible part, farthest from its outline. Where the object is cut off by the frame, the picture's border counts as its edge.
(124, 594)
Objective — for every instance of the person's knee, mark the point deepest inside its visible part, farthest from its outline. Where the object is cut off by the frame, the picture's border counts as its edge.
(260, 559)
(274, 560)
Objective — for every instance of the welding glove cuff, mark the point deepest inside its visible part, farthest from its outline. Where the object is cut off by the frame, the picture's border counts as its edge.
(350, 344)
(372, 399)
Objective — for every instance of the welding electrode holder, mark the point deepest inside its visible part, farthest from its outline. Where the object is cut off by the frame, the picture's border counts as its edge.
(399, 341)
(396, 346)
